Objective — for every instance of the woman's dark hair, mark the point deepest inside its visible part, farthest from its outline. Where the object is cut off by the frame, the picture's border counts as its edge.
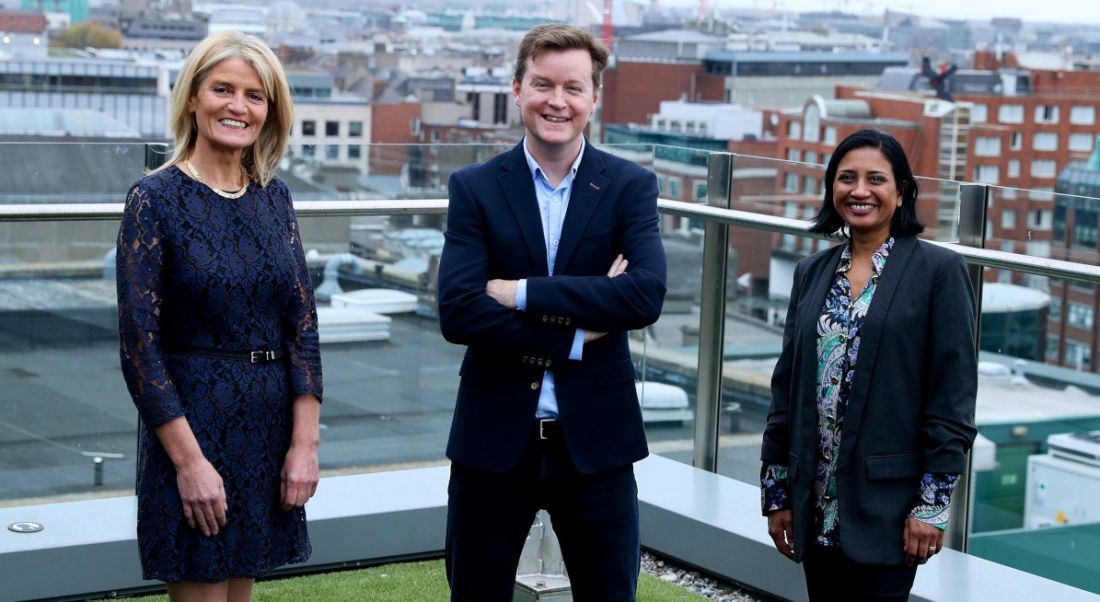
(905, 222)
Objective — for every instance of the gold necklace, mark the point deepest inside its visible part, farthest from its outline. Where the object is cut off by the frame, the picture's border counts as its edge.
(229, 195)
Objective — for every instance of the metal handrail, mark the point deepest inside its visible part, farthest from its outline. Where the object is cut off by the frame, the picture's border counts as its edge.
(990, 258)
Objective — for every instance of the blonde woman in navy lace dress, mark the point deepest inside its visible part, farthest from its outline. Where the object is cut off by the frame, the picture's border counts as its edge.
(218, 333)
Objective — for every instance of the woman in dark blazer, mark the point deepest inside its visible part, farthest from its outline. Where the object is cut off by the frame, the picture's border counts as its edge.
(873, 394)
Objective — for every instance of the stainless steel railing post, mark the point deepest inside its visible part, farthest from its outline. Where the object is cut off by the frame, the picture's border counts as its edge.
(712, 315)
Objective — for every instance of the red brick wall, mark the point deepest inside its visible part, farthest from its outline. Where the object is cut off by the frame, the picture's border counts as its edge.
(391, 124)
(633, 91)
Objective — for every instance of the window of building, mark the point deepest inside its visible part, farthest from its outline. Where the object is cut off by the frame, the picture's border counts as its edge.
(435, 135)
(794, 130)
(1008, 219)
(1082, 115)
(332, 128)
(1055, 308)
(1080, 142)
(309, 150)
(355, 152)
(790, 182)
(309, 127)
(1038, 248)
(811, 124)
(1043, 168)
(979, 114)
(1039, 219)
(699, 190)
(1041, 193)
(793, 154)
(987, 174)
(810, 185)
(355, 129)
(790, 210)
(1078, 354)
(829, 135)
(1011, 193)
(332, 152)
(1012, 169)
(1079, 315)
(500, 108)
(986, 146)
(1010, 114)
(675, 188)
(474, 100)
(1053, 344)
(414, 126)
(1046, 114)
(1044, 141)
(1015, 141)
(811, 157)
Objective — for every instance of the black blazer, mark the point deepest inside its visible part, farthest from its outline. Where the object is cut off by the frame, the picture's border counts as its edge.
(911, 407)
(494, 231)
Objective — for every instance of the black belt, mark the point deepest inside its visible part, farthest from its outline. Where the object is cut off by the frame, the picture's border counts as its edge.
(547, 429)
(259, 356)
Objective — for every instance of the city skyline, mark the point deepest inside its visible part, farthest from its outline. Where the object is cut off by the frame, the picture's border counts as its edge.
(1053, 11)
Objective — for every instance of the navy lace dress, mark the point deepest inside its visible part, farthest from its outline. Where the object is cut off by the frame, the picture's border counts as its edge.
(198, 271)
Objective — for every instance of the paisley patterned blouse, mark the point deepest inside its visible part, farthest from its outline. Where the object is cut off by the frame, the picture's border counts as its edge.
(838, 338)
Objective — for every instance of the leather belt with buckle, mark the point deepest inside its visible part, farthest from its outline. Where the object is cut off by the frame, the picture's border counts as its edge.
(252, 357)
(548, 429)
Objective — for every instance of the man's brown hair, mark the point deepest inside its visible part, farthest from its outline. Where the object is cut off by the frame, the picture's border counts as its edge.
(559, 37)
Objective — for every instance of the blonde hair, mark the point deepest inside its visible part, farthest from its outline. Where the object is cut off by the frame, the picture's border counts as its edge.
(262, 158)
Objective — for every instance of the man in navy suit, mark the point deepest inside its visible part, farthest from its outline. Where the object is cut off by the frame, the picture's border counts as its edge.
(552, 254)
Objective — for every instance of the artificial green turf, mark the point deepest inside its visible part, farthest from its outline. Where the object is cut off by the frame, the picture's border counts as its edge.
(406, 582)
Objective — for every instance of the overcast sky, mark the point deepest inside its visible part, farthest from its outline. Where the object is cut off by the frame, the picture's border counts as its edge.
(1064, 11)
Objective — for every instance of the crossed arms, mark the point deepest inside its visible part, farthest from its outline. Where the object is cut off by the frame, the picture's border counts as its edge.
(475, 303)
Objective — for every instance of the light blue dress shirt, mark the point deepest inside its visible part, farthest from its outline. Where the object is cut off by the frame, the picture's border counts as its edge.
(553, 203)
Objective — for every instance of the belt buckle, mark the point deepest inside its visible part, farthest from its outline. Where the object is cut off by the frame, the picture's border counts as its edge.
(542, 428)
(257, 357)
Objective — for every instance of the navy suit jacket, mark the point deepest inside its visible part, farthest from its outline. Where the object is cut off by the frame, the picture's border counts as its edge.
(494, 230)
(911, 405)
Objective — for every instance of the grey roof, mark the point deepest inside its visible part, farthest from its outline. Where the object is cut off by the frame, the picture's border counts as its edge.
(76, 123)
(689, 36)
(798, 57)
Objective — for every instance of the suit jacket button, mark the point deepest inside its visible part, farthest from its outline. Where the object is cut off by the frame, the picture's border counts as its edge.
(545, 317)
(535, 386)
(547, 362)
(568, 321)
(541, 361)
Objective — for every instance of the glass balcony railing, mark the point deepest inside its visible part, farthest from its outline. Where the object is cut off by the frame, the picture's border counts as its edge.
(733, 229)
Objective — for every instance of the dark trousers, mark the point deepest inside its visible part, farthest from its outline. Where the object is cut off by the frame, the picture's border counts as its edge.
(830, 576)
(595, 517)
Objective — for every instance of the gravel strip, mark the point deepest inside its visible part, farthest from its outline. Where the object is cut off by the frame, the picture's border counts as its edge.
(705, 585)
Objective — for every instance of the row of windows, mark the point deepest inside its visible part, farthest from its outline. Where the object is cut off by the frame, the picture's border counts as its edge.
(991, 174)
(826, 134)
(1012, 113)
(1037, 219)
(988, 146)
(46, 83)
(687, 126)
(332, 128)
(332, 151)
(793, 154)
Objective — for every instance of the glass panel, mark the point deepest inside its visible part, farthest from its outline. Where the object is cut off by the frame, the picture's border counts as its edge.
(1036, 480)
(761, 265)
(64, 403)
(390, 378)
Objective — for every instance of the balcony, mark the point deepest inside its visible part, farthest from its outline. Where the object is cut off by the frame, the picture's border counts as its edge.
(1027, 519)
